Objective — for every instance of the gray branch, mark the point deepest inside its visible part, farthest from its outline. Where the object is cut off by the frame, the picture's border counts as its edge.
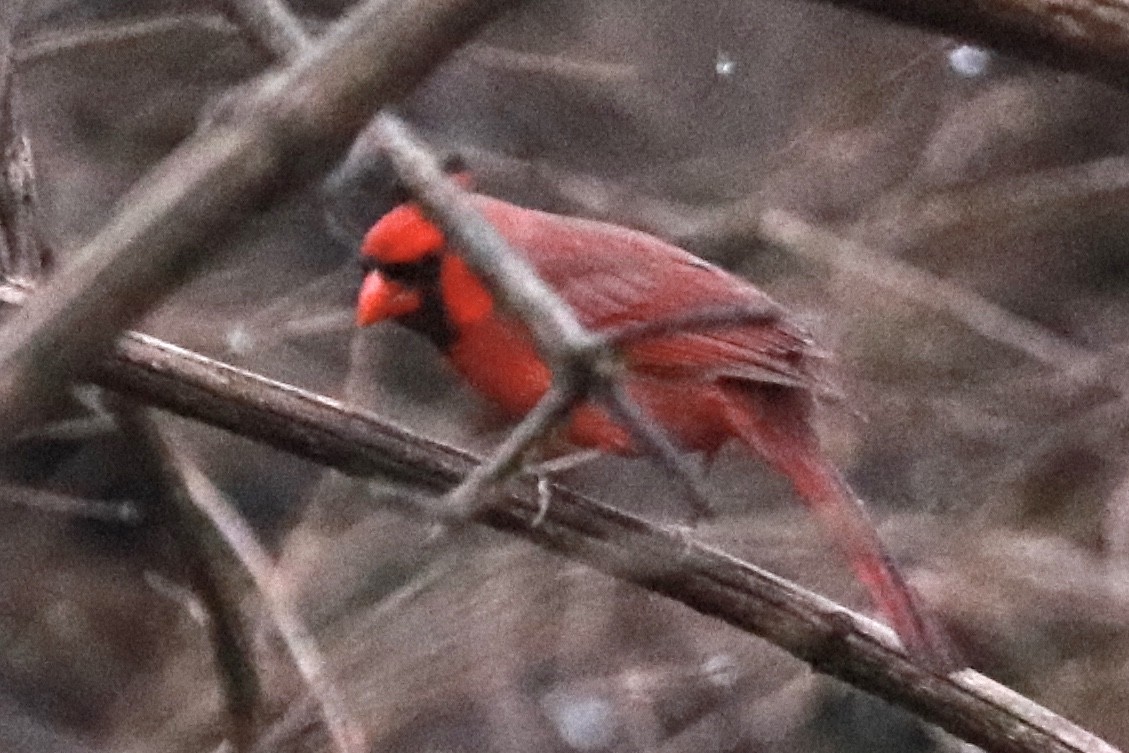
(22, 254)
(1085, 36)
(286, 130)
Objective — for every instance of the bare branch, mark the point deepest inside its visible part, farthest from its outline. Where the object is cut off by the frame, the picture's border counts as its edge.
(125, 511)
(58, 42)
(242, 546)
(834, 640)
(929, 291)
(277, 32)
(46, 45)
(647, 434)
(586, 72)
(705, 318)
(466, 500)
(292, 125)
(561, 339)
(1087, 36)
(1051, 196)
(22, 255)
(215, 583)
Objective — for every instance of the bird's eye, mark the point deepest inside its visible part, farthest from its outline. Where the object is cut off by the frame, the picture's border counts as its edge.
(423, 274)
(367, 263)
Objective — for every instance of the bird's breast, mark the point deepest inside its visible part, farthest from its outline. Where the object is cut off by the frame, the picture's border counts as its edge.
(498, 360)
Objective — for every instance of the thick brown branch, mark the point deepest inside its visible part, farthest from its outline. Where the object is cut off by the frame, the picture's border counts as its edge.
(834, 640)
(287, 129)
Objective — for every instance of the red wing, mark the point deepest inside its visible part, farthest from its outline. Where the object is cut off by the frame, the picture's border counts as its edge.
(614, 276)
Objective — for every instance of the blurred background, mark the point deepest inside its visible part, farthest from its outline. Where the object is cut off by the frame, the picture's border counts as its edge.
(986, 428)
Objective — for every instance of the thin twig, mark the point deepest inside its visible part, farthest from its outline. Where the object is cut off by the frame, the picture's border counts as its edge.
(561, 339)
(1047, 197)
(22, 254)
(988, 319)
(631, 415)
(276, 31)
(244, 547)
(704, 318)
(292, 125)
(123, 511)
(48, 45)
(466, 500)
(200, 557)
(45, 46)
(585, 72)
(1087, 36)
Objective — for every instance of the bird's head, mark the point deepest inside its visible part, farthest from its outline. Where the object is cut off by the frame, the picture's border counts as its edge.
(400, 255)
(413, 276)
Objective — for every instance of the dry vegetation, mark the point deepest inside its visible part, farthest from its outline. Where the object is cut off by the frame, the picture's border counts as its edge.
(957, 240)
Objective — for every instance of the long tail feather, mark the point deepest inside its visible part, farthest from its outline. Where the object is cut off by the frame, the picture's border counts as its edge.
(842, 514)
(778, 430)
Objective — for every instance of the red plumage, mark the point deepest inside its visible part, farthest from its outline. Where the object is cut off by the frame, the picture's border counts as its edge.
(750, 382)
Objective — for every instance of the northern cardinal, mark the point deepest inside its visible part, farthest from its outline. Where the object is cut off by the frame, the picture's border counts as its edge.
(749, 382)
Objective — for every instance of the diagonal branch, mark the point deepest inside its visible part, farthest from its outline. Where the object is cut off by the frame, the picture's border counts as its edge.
(279, 33)
(749, 220)
(831, 638)
(234, 549)
(288, 128)
(564, 343)
(1085, 36)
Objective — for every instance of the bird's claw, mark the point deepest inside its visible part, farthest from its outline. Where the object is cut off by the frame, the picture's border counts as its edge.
(544, 496)
(545, 470)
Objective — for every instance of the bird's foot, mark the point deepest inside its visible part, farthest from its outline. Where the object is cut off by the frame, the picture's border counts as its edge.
(544, 472)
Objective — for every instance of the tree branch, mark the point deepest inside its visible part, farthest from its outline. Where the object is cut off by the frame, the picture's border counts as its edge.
(22, 254)
(748, 220)
(287, 129)
(831, 638)
(1085, 36)
(229, 546)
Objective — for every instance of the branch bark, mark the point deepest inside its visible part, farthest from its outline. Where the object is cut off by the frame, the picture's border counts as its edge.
(22, 253)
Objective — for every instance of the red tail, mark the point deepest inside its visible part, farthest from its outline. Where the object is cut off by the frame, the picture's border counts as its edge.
(842, 514)
(786, 441)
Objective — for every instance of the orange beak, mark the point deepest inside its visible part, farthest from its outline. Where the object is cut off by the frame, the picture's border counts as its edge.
(382, 299)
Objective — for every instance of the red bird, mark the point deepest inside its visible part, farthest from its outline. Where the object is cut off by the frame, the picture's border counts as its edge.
(749, 382)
